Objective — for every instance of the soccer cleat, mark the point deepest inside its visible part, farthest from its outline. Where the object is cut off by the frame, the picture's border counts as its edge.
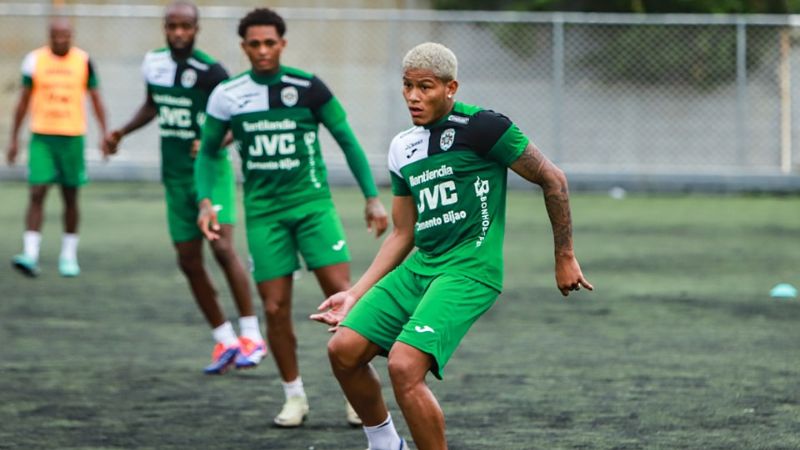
(25, 265)
(352, 416)
(68, 267)
(221, 359)
(294, 412)
(250, 353)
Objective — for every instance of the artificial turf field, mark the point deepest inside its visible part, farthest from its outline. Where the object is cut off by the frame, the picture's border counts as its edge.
(679, 347)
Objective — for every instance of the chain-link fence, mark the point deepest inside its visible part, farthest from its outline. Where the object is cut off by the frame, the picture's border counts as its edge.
(610, 96)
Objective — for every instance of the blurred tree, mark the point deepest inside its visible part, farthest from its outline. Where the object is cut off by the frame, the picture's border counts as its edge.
(704, 57)
(630, 6)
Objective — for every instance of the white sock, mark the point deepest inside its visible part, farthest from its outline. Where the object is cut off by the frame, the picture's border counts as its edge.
(248, 327)
(69, 246)
(31, 242)
(383, 436)
(225, 335)
(294, 388)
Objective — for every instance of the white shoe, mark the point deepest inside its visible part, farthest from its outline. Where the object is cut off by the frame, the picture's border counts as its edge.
(294, 412)
(352, 416)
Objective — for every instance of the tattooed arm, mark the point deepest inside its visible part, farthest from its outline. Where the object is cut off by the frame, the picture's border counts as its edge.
(536, 168)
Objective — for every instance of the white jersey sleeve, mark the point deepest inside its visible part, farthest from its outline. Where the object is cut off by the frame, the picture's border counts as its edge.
(220, 104)
(29, 64)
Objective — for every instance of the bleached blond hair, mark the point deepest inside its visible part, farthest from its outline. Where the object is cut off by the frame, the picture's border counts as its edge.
(434, 57)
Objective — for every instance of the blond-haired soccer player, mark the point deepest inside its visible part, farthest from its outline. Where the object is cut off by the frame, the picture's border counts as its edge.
(55, 81)
(448, 177)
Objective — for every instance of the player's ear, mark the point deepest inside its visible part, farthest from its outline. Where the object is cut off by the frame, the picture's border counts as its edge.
(451, 87)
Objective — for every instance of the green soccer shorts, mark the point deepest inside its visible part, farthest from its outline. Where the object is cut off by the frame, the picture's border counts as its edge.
(429, 313)
(56, 159)
(314, 230)
(182, 207)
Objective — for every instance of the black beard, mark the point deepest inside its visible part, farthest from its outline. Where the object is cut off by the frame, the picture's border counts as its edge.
(181, 53)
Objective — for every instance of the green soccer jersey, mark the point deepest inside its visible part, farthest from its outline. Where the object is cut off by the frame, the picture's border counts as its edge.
(275, 123)
(179, 90)
(456, 172)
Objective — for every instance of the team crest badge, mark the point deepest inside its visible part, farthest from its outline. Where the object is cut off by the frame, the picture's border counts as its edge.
(188, 78)
(289, 96)
(448, 136)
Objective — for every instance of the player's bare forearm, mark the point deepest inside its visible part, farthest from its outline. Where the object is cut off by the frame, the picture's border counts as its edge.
(142, 117)
(391, 253)
(99, 110)
(556, 200)
(19, 112)
(536, 168)
(19, 115)
(394, 249)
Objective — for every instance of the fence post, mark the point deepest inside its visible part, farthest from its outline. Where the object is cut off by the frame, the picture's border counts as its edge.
(786, 101)
(558, 87)
(394, 52)
(741, 90)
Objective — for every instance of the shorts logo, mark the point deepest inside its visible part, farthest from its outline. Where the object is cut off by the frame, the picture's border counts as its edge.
(448, 136)
(425, 329)
(338, 246)
(188, 78)
(289, 96)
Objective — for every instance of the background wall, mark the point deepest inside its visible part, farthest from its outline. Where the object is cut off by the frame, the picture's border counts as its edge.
(654, 102)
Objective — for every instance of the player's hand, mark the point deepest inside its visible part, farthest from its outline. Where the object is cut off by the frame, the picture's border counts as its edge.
(11, 153)
(195, 148)
(334, 309)
(111, 142)
(207, 220)
(375, 216)
(569, 276)
(104, 150)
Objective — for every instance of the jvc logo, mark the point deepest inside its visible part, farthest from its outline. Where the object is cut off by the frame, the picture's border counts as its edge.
(174, 117)
(441, 194)
(272, 144)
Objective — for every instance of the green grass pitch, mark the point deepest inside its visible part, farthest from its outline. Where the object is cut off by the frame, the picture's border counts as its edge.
(679, 347)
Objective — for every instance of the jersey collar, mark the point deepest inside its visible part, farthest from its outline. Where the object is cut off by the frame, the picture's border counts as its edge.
(267, 79)
(443, 119)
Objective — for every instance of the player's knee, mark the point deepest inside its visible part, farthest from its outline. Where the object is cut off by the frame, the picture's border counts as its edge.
(277, 311)
(342, 353)
(403, 371)
(190, 264)
(37, 197)
(70, 201)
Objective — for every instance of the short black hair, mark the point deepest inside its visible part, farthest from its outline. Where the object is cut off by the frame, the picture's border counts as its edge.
(262, 16)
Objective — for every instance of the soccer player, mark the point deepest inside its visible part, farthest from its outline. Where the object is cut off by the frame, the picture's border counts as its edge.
(55, 81)
(274, 113)
(448, 177)
(179, 80)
